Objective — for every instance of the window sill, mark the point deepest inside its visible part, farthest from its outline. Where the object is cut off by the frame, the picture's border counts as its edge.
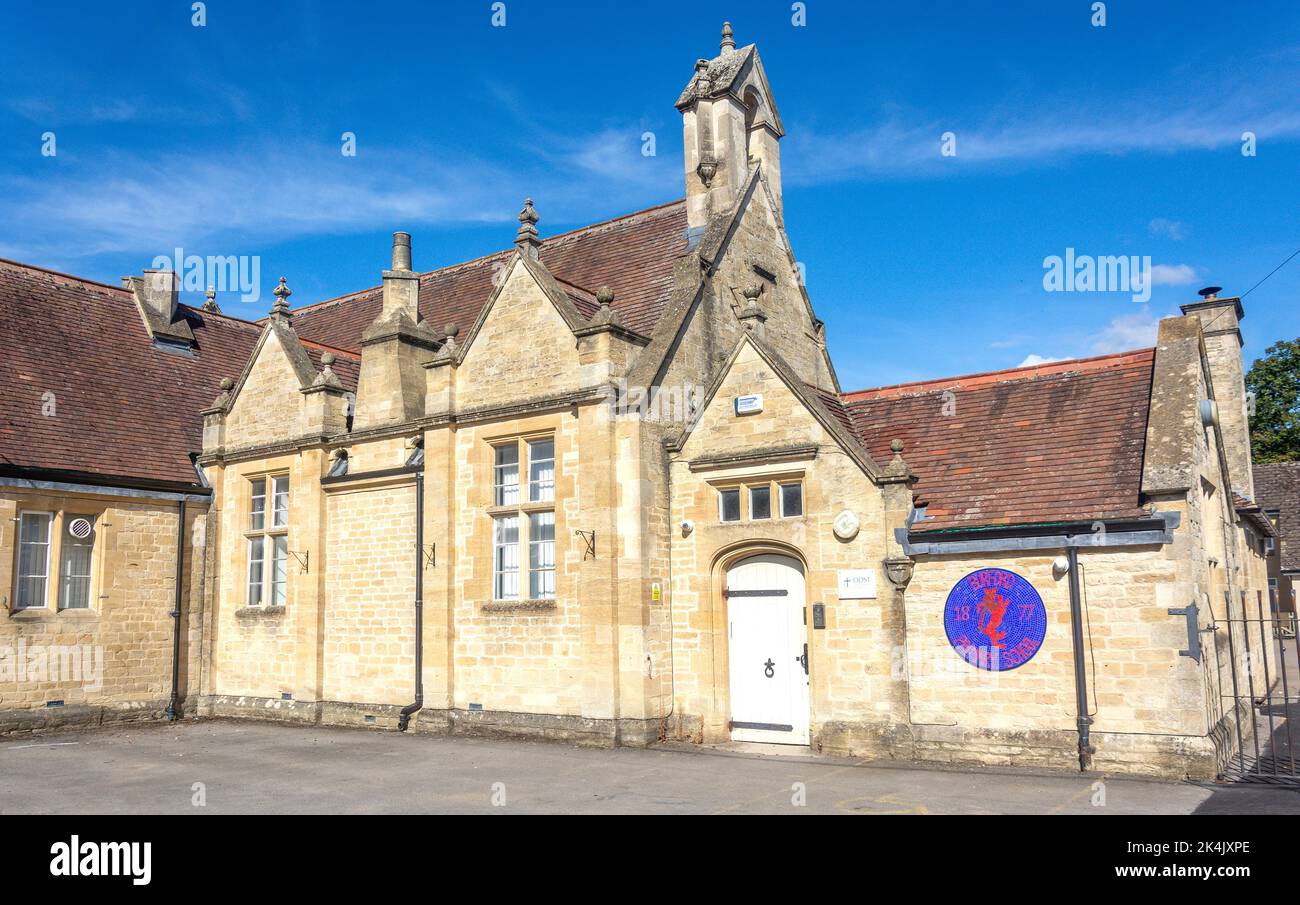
(520, 606)
(45, 614)
(526, 508)
(259, 612)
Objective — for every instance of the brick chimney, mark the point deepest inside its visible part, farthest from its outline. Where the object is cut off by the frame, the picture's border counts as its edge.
(1221, 324)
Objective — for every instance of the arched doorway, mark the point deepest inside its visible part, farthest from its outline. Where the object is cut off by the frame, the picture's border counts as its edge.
(767, 650)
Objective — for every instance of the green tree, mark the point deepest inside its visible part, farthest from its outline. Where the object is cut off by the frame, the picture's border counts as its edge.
(1274, 381)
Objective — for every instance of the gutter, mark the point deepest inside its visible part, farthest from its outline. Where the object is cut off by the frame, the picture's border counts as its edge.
(62, 480)
(176, 612)
(1083, 721)
(404, 718)
(1158, 529)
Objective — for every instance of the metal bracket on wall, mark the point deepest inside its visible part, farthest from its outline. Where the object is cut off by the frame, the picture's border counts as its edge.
(1193, 635)
(588, 538)
(303, 558)
(430, 555)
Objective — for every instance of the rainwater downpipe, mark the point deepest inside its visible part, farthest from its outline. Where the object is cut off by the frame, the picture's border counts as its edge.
(404, 719)
(1086, 750)
(172, 715)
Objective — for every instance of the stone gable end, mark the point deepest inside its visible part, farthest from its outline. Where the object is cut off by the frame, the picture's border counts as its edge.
(523, 348)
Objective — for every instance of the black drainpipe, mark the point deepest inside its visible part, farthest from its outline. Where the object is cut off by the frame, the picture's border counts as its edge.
(1086, 750)
(176, 611)
(404, 719)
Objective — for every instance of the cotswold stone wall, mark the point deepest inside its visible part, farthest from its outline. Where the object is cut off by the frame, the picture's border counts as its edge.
(113, 660)
(525, 656)
(368, 635)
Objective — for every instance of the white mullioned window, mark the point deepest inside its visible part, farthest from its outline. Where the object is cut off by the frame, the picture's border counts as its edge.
(505, 475)
(523, 482)
(541, 471)
(76, 552)
(541, 555)
(505, 557)
(33, 559)
(268, 541)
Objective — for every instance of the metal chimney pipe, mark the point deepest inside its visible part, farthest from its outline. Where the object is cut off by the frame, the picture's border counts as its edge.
(401, 251)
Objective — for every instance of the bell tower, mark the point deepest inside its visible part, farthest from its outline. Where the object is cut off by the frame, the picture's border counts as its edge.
(730, 125)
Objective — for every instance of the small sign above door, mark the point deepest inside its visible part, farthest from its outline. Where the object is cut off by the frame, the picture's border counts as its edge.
(749, 405)
(857, 584)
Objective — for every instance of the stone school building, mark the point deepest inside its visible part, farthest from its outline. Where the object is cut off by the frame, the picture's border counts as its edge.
(605, 487)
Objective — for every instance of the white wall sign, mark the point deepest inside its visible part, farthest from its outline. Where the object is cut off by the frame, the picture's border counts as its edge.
(857, 584)
(748, 405)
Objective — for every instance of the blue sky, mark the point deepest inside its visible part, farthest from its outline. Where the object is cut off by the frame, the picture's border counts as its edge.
(1115, 140)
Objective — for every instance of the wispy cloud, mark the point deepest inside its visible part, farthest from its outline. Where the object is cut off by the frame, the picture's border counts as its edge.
(904, 145)
(266, 193)
(1168, 229)
(1035, 359)
(1172, 275)
(1129, 331)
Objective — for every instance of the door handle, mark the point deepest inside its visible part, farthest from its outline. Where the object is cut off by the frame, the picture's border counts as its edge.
(803, 661)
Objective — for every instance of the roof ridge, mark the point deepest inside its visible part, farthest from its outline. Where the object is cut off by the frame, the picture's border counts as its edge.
(452, 268)
(1044, 369)
(60, 273)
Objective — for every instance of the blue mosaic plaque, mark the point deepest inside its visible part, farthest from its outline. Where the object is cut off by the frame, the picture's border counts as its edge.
(995, 619)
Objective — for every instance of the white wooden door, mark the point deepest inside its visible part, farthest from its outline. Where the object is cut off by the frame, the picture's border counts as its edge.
(767, 651)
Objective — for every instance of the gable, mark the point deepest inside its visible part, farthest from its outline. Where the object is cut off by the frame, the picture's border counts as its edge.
(522, 348)
(268, 404)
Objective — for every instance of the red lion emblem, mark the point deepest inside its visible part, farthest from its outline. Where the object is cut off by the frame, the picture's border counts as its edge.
(991, 610)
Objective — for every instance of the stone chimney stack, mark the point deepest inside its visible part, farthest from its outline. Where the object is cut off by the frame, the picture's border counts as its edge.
(730, 124)
(161, 292)
(390, 388)
(157, 296)
(1221, 324)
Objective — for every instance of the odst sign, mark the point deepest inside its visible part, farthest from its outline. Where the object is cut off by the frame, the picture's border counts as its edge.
(995, 619)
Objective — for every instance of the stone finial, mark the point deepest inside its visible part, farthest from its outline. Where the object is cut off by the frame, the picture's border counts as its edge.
(897, 470)
(728, 41)
(526, 239)
(606, 316)
(220, 403)
(327, 377)
(752, 292)
(211, 303)
(281, 307)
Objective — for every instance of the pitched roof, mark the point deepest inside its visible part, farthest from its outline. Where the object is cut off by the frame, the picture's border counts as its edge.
(1277, 487)
(1047, 443)
(121, 406)
(633, 255)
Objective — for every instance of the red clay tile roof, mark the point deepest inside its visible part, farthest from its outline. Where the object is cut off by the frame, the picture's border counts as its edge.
(122, 407)
(1049, 443)
(633, 255)
(1277, 487)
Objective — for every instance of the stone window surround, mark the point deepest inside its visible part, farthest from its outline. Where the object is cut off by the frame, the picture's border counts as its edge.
(59, 518)
(774, 482)
(522, 509)
(269, 532)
